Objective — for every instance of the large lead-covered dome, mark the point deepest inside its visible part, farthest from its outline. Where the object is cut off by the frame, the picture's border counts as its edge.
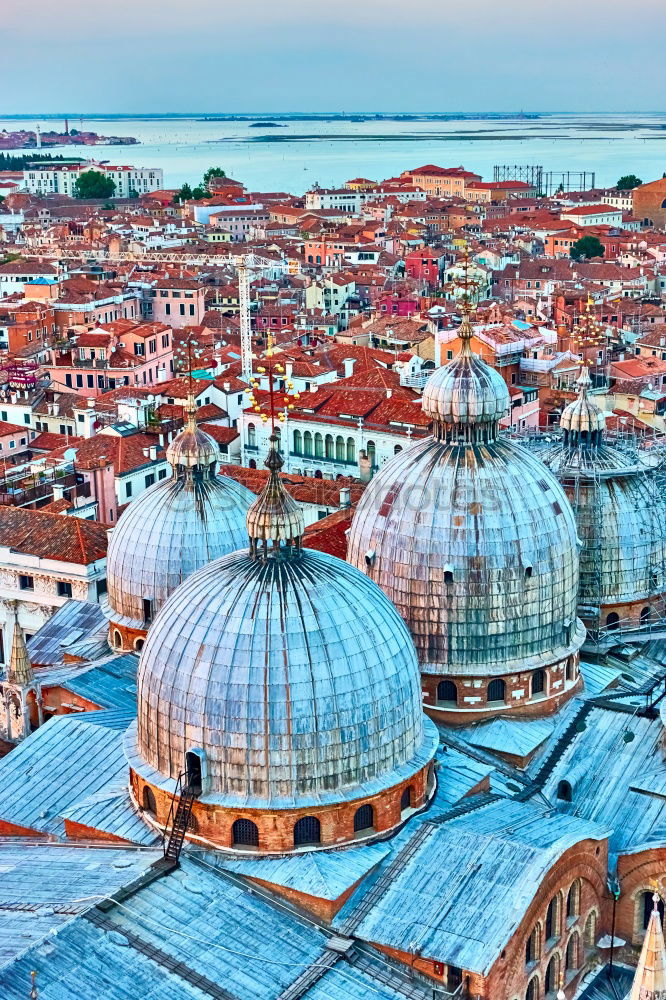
(472, 538)
(289, 670)
(174, 528)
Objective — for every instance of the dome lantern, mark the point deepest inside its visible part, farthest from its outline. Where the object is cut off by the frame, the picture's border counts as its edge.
(582, 421)
(275, 522)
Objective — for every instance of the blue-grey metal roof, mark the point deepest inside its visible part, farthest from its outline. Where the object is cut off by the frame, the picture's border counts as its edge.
(436, 902)
(325, 874)
(511, 736)
(109, 683)
(64, 761)
(598, 677)
(78, 628)
(111, 811)
(603, 763)
(458, 774)
(43, 886)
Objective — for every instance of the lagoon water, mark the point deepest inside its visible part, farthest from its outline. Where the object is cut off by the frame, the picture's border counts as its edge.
(293, 157)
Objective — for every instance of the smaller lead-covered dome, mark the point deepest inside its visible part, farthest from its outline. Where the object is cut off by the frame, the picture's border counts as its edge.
(174, 528)
(466, 399)
(466, 391)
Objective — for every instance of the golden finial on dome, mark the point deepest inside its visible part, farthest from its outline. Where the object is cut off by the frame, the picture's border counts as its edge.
(273, 369)
(470, 288)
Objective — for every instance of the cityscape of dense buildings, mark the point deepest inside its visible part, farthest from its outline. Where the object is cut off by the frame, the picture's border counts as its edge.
(332, 588)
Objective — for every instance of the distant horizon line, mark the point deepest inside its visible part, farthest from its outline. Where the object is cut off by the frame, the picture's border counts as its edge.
(268, 114)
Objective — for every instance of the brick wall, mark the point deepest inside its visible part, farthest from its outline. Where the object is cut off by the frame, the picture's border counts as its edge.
(473, 704)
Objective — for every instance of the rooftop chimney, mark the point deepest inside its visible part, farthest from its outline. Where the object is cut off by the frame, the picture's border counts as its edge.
(345, 497)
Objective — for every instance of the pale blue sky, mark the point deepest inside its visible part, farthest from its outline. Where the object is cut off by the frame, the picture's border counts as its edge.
(299, 55)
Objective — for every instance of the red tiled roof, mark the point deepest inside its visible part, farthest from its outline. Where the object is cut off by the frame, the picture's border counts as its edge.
(330, 534)
(52, 536)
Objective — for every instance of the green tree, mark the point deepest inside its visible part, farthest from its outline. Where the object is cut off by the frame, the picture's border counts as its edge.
(586, 247)
(212, 172)
(93, 184)
(2, 198)
(185, 194)
(628, 182)
(200, 192)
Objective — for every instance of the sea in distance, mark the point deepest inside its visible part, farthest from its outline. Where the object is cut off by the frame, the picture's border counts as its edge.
(291, 152)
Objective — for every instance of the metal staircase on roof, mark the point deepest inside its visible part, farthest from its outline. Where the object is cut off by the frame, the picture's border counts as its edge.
(179, 818)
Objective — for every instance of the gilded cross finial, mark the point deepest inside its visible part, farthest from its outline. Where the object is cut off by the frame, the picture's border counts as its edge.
(278, 403)
(187, 352)
(469, 287)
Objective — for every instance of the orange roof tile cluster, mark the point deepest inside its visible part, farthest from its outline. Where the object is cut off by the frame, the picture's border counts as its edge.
(52, 536)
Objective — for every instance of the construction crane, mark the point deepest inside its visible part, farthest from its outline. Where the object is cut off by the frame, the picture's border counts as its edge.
(243, 263)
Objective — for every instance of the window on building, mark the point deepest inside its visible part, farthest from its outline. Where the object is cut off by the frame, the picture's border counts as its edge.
(552, 919)
(612, 621)
(64, 588)
(406, 799)
(364, 819)
(26, 582)
(573, 899)
(497, 690)
(307, 831)
(162, 474)
(447, 693)
(149, 479)
(148, 801)
(244, 833)
(101, 587)
(552, 978)
(648, 906)
(538, 683)
(564, 792)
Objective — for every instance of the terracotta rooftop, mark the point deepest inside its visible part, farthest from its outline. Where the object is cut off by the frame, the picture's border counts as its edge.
(52, 536)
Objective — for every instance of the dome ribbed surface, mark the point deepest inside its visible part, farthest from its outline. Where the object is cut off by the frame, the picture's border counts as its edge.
(466, 391)
(296, 676)
(476, 546)
(174, 528)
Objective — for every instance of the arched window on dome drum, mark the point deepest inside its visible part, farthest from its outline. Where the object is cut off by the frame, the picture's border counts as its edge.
(364, 819)
(330, 446)
(307, 443)
(351, 450)
(148, 801)
(612, 621)
(538, 683)
(298, 443)
(339, 449)
(138, 645)
(569, 669)
(117, 638)
(645, 616)
(564, 792)
(318, 474)
(252, 464)
(406, 799)
(397, 449)
(251, 436)
(193, 770)
(147, 610)
(571, 957)
(532, 989)
(497, 690)
(318, 445)
(591, 929)
(244, 833)
(447, 693)
(552, 978)
(307, 831)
